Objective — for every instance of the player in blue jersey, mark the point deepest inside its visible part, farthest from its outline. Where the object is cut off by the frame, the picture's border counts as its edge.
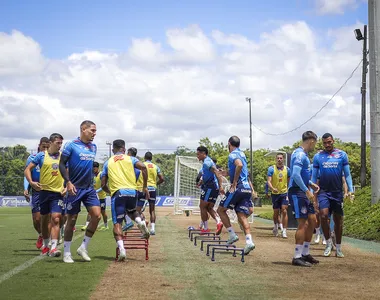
(210, 189)
(239, 197)
(35, 201)
(302, 200)
(79, 156)
(329, 165)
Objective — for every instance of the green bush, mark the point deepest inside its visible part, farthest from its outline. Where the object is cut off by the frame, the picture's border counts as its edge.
(362, 219)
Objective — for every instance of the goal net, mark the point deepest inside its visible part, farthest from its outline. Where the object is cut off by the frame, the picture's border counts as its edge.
(187, 194)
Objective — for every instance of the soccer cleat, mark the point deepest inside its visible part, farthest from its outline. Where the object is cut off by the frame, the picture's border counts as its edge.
(55, 253)
(284, 234)
(339, 253)
(83, 253)
(122, 255)
(310, 259)
(68, 259)
(324, 242)
(328, 250)
(144, 230)
(232, 239)
(152, 232)
(300, 262)
(248, 248)
(127, 226)
(205, 230)
(83, 228)
(317, 238)
(219, 228)
(275, 231)
(45, 250)
(39, 242)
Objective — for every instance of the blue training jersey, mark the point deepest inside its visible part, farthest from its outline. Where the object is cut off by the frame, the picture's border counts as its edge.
(243, 177)
(81, 159)
(208, 177)
(329, 167)
(35, 171)
(300, 159)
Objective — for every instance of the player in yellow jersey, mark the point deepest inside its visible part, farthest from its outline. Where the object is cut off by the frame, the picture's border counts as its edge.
(278, 179)
(154, 172)
(119, 174)
(51, 192)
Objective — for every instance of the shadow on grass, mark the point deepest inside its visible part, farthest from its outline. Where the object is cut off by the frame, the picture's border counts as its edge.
(27, 250)
(27, 239)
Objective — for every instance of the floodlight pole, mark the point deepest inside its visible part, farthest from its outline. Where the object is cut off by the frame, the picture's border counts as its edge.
(363, 154)
(109, 148)
(250, 137)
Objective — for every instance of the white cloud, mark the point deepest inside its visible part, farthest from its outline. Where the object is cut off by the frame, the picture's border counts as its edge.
(160, 97)
(334, 6)
(19, 55)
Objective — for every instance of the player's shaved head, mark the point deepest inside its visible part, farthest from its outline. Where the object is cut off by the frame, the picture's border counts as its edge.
(234, 141)
(132, 151)
(309, 135)
(86, 124)
(148, 156)
(118, 145)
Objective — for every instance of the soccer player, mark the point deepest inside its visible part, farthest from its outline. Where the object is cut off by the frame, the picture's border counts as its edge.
(329, 164)
(119, 173)
(35, 203)
(278, 179)
(302, 200)
(101, 195)
(139, 191)
(79, 155)
(239, 197)
(211, 187)
(51, 192)
(153, 172)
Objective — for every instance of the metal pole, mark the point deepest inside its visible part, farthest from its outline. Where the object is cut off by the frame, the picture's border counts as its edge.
(250, 137)
(363, 162)
(109, 149)
(374, 88)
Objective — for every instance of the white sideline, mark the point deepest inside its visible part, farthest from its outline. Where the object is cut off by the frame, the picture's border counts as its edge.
(30, 262)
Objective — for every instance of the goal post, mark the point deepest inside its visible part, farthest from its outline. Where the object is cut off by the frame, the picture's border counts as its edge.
(187, 194)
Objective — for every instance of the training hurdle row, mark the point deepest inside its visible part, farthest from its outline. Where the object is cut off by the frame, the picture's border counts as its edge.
(133, 240)
(214, 243)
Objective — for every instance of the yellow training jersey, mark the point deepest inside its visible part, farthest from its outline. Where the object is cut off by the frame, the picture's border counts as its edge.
(140, 182)
(121, 172)
(279, 178)
(153, 171)
(50, 176)
(97, 185)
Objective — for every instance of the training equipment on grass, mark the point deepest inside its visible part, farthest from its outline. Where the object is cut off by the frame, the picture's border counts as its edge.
(225, 248)
(202, 237)
(133, 240)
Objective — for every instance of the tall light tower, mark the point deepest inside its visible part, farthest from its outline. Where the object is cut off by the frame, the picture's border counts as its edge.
(250, 136)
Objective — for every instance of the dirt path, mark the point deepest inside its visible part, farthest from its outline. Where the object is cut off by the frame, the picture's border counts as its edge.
(267, 273)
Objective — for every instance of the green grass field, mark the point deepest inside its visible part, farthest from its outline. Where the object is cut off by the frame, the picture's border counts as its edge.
(47, 277)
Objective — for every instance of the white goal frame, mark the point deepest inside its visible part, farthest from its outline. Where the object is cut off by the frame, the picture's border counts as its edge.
(191, 203)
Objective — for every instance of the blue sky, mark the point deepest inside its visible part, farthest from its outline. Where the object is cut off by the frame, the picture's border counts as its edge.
(65, 27)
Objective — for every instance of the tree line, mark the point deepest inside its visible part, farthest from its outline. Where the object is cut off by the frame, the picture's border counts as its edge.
(12, 164)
